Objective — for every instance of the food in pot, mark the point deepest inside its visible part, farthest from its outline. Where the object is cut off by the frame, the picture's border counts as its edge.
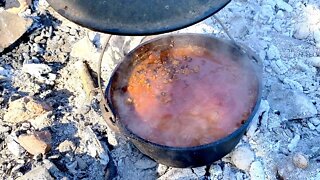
(185, 96)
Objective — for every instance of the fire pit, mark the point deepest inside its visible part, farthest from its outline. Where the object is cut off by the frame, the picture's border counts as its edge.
(185, 100)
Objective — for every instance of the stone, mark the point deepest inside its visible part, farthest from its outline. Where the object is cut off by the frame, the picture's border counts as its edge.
(38, 173)
(257, 171)
(85, 49)
(73, 32)
(200, 171)
(52, 168)
(216, 172)
(177, 173)
(5, 72)
(4, 129)
(302, 31)
(291, 104)
(284, 6)
(263, 112)
(66, 146)
(37, 70)
(25, 109)
(238, 26)
(314, 61)
(300, 160)
(316, 36)
(294, 142)
(293, 84)
(72, 167)
(279, 67)
(162, 169)
(39, 142)
(12, 27)
(311, 126)
(242, 157)
(273, 52)
(145, 163)
(14, 147)
(94, 146)
(81, 163)
(280, 14)
(285, 167)
(42, 121)
(267, 12)
(315, 121)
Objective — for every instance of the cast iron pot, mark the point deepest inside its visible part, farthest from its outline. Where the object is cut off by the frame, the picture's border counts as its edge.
(180, 157)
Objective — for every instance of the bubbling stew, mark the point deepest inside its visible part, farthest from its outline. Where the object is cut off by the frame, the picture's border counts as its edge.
(186, 96)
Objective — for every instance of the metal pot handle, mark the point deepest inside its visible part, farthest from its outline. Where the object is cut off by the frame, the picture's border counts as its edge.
(245, 49)
(105, 109)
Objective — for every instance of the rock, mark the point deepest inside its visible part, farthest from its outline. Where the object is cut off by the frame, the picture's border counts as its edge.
(25, 109)
(294, 142)
(273, 52)
(5, 72)
(177, 173)
(314, 61)
(315, 121)
(42, 121)
(94, 146)
(37, 70)
(13, 146)
(227, 172)
(37, 48)
(262, 113)
(81, 163)
(38, 173)
(279, 67)
(293, 84)
(85, 49)
(257, 171)
(267, 12)
(4, 129)
(284, 6)
(39, 142)
(318, 128)
(277, 25)
(302, 31)
(72, 167)
(162, 169)
(285, 168)
(316, 36)
(66, 146)
(12, 27)
(200, 171)
(52, 168)
(300, 160)
(291, 104)
(73, 32)
(238, 26)
(242, 157)
(311, 126)
(280, 14)
(216, 172)
(145, 163)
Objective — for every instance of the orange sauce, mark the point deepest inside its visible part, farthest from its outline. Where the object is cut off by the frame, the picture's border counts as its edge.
(186, 97)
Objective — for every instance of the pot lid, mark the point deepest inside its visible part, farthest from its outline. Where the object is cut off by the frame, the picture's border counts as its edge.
(136, 17)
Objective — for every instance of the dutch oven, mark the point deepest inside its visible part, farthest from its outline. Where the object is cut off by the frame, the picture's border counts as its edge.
(183, 157)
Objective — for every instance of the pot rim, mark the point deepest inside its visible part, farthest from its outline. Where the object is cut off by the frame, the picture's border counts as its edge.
(129, 134)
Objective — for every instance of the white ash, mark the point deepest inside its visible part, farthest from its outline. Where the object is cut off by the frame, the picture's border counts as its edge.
(285, 34)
